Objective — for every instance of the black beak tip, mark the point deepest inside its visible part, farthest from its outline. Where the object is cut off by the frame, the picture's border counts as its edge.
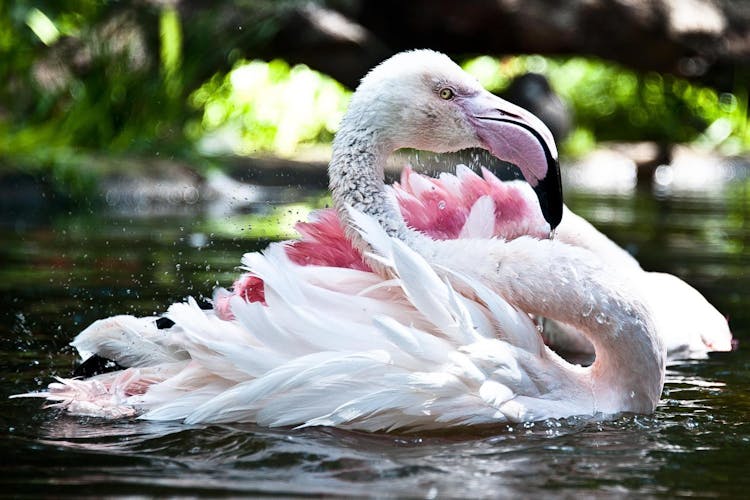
(549, 192)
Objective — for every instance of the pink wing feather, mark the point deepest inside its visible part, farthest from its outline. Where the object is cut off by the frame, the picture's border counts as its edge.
(439, 208)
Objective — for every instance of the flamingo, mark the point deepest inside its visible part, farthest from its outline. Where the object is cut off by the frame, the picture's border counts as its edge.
(397, 329)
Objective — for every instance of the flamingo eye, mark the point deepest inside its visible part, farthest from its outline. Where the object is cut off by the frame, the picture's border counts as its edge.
(447, 94)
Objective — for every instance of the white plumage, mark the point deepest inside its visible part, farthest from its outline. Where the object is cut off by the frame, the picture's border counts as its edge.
(328, 350)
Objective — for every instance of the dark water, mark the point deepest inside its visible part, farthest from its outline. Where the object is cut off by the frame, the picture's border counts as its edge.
(60, 271)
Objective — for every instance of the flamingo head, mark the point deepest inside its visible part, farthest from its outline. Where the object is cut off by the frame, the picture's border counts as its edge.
(423, 100)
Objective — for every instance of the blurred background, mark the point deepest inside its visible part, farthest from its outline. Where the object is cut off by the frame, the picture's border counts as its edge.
(96, 90)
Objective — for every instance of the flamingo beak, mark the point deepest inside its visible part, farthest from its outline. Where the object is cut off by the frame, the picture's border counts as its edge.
(515, 135)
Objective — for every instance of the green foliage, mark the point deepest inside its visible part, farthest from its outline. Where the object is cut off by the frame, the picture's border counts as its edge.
(268, 107)
(82, 75)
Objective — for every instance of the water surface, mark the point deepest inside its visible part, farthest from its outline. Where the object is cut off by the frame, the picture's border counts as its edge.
(63, 269)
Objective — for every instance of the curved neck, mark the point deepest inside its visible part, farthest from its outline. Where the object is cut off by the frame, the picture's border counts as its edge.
(570, 285)
(356, 179)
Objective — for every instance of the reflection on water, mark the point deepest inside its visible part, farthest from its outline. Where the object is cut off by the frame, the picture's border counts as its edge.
(61, 271)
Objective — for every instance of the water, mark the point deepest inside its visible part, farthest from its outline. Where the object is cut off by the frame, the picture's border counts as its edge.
(61, 271)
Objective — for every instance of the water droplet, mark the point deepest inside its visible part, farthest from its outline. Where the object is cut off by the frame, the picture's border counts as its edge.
(198, 240)
(441, 204)
(601, 318)
(587, 310)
